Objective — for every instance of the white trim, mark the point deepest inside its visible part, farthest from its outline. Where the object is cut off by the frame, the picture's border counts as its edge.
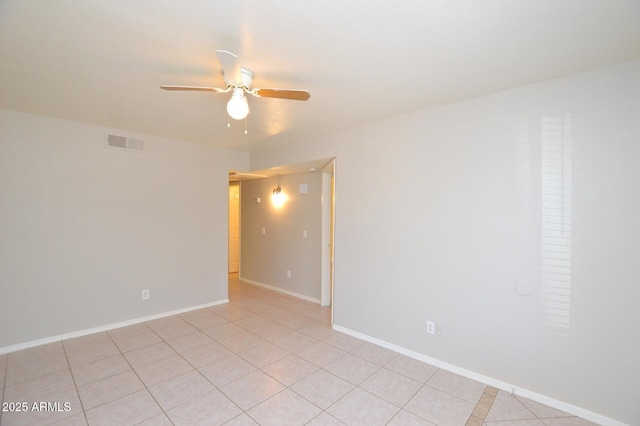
(568, 408)
(108, 327)
(280, 290)
(325, 243)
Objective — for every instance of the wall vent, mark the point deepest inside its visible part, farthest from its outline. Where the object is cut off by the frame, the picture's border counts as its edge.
(123, 142)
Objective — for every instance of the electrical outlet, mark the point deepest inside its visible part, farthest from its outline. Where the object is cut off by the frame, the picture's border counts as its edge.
(431, 327)
(288, 273)
(145, 294)
(440, 330)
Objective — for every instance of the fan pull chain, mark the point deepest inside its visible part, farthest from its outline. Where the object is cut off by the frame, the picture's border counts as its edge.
(246, 131)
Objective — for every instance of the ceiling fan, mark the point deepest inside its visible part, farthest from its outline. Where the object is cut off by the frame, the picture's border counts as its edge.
(239, 81)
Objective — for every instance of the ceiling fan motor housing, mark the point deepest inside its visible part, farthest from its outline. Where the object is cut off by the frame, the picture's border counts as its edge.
(247, 77)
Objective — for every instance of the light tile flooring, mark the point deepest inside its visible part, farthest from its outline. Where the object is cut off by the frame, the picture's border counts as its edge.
(262, 359)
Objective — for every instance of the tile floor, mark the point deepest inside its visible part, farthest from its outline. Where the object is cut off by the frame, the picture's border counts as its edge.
(262, 359)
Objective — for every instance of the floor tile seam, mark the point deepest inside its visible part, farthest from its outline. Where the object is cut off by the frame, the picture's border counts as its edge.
(103, 378)
(116, 399)
(33, 352)
(123, 352)
(50, 393)
(322, 411)
(385, 367)
(379, 367)
(181, 335)
(316, 405)
(369, 393)
(335, 375)
(255, 405)
(7, 384)
(431, 387)
(156, 329)
(115, 335)
(167, 340)
(189, 313)
(4, 383)
(219, 387)
(407, 402)
(334, 346)
(202, 329)
(361, 357)
(390, 402)
(410, 413)
(272, 304)
(84, 413)
(109, 332)
(215, 388)
(412, 395)
(249, 329)
(294, 383)
(91, 349)
(214, 361)
(176, 349)
(452, 395)
(534, 416)
(126, 396)
(258, 366)
(542, 418)
(146, 388)
(137, 348)
(422, 382)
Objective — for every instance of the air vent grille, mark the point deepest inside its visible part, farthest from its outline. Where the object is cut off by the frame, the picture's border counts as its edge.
(123, 142)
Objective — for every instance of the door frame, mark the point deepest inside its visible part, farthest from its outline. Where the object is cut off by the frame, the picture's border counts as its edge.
(327, 266)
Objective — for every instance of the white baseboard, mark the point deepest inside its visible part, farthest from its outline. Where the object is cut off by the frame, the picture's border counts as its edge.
(38, 342)
(280, 290)
(567, 408)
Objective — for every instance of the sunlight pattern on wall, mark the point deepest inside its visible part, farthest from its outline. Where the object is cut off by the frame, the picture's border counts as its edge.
(556, 222)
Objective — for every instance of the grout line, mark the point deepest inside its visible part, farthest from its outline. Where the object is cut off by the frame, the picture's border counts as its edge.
(137, 375)
(4, 381)
(73, 377)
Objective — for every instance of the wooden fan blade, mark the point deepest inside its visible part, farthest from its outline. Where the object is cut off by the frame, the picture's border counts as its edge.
(230, 67)
(295, 95)
(198, 88)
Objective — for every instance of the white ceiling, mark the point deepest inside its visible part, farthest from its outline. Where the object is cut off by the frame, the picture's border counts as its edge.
(102, 62)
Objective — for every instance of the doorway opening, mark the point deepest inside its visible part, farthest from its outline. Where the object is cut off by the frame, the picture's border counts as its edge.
(237, 181)
(234, 228)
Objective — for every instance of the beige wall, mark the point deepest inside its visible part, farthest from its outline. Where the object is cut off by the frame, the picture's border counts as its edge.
(84, 228)
(440, 215)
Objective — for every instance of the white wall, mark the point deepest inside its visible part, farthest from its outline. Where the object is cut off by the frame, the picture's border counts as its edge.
(440, 216)
(84, 228)
(265, 259)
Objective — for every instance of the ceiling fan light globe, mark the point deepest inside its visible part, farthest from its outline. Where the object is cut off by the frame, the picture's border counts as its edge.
(238, 107)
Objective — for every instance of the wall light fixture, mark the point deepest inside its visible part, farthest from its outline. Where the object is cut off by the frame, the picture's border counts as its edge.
(278, 197)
